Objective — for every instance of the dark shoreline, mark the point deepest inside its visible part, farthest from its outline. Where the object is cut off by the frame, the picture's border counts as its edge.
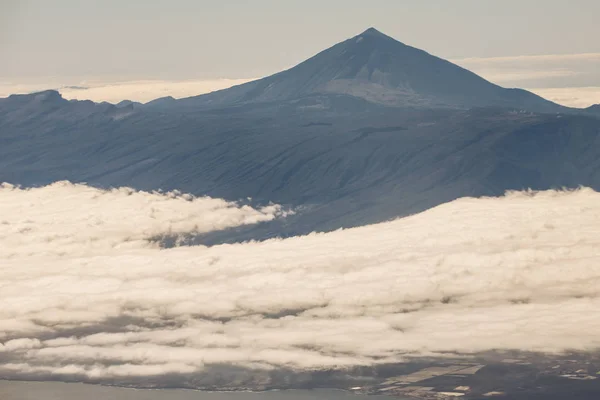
(522, 377)
(56, 390)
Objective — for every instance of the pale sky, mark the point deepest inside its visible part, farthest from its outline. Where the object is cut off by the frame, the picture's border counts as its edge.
(88, 42)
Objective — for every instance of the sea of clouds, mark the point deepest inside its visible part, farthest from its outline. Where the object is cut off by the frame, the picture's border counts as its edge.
(87, 292)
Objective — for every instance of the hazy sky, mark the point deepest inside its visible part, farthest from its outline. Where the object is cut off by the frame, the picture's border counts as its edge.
(74, 41)
(177, 39)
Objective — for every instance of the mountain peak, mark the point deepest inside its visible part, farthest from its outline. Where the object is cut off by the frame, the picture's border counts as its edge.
(375, 67)
(44, 97)
(373, 31)
(372, 34)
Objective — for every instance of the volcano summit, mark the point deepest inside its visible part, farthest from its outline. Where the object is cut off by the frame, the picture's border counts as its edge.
(377, 68)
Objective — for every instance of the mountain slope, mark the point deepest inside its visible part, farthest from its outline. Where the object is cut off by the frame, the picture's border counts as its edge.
(377, 68)
(342, 166)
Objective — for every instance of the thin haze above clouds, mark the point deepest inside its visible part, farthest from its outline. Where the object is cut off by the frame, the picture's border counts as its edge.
(569, 79)
(87, 293)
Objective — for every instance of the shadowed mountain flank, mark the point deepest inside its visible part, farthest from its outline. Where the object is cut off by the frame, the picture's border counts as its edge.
(338, 161)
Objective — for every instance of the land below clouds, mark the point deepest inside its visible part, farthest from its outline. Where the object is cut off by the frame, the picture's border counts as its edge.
(509, 375)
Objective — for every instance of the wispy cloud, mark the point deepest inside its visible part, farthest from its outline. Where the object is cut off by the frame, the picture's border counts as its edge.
(575, 97)
(531, 58)
(569, 79)
(86, 294)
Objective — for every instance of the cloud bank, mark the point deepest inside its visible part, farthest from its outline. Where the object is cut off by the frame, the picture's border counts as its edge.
(68, 220)
(562, 70)
(85, 292)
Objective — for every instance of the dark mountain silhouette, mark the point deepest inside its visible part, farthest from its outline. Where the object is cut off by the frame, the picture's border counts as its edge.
(377, 68)
(126, 103)
(594, 109)
(162, 102)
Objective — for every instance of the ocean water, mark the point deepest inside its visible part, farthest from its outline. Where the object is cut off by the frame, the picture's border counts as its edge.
(14, 390)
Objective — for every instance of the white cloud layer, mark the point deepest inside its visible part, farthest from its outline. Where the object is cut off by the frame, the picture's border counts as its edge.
(85, 294)
(114, 92)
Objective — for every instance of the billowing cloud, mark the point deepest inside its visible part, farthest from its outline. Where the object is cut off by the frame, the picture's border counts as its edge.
(65, 219)
(85, 294)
